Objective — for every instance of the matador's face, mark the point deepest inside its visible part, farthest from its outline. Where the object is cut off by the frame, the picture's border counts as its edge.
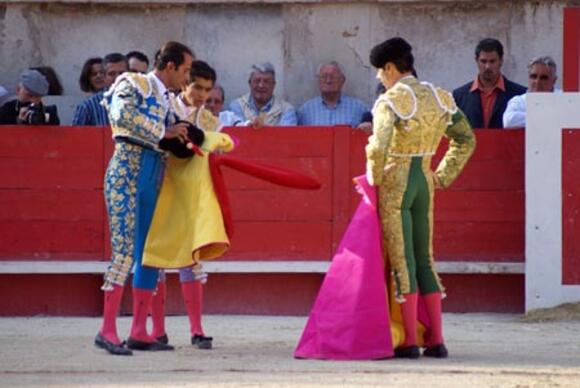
(388, 75)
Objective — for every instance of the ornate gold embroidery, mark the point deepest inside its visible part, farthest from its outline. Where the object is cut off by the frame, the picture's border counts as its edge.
(207, 121)
(402, 100)
(140, 81)
(447, 101)
(402, 127)
(120, 195)
(391, 192)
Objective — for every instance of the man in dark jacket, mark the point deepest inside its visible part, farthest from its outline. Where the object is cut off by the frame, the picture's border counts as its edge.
(484, 100)
(28, 108)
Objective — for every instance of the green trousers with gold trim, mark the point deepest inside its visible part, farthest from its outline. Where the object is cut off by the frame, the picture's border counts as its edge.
(406, 206)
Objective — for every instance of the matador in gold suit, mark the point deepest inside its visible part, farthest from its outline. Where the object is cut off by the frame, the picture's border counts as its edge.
(409, 121)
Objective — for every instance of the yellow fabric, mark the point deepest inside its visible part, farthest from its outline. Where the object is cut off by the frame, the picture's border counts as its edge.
(188, 224)
(397, 327)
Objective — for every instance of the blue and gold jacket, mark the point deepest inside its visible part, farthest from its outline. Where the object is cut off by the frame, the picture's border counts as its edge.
(137, 109)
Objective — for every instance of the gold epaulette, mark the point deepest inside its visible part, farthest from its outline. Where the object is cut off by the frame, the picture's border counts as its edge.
(207, 121)
(402, 100)
(444, 98)
(136, 80)
(140, 82)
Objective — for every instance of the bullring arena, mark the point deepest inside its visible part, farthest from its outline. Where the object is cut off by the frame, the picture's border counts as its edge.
(505, 242)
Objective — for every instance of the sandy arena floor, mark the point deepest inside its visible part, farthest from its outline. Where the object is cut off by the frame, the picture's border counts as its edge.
(486, 350)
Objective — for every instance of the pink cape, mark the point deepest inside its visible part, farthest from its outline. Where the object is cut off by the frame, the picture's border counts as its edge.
(350, 319)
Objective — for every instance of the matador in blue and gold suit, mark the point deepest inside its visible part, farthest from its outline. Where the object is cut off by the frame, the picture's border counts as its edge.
(139, 112)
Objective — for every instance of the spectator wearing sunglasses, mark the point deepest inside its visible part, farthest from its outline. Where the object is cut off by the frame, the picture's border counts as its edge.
(541, 79)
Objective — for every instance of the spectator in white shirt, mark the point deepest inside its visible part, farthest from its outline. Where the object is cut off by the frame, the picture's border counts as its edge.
(215, 103)
(541, 79)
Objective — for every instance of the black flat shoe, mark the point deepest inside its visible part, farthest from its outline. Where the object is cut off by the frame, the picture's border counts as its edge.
(119, 350)
(407, 352)
(163, 339)
(202, 342)
(436, 351)
(148, 346)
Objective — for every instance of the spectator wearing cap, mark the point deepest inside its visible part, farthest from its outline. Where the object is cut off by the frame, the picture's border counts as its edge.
(484, 100)
(138, 62)
(260, 106)
(54, 85)
(332, 107)
(90, 111)
(28, 107)
(541, 79)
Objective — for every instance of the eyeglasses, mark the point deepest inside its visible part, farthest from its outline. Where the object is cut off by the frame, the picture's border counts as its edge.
(542, 77)
(328, 77)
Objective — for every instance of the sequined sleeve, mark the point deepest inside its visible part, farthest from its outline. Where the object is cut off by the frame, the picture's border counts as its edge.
(461, 147)
(376, 149)
(125, 113)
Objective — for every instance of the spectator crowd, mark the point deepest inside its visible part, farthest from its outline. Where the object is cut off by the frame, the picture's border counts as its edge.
(490, 100)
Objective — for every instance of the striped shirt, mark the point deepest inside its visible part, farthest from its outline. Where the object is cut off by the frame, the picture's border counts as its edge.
(91, 112)
(348, 111)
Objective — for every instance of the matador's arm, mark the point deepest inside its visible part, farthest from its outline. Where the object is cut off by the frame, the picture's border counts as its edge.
(377, 148)
(461, 147)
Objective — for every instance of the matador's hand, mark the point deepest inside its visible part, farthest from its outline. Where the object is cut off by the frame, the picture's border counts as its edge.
(177, 131)
(436, 181)
(366, 126)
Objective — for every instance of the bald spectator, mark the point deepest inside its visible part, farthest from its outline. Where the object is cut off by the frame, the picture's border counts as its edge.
(484, 100)
(90, 111)
(541, 79)
(260, 106)
(138, 62)
(28, 107)
(332, 107)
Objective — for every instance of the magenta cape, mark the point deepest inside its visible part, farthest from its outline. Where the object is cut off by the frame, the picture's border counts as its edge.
(350, 319)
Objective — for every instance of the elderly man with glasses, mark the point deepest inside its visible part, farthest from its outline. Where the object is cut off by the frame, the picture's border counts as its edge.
(541, 79)
(260, 107)
(332, 107)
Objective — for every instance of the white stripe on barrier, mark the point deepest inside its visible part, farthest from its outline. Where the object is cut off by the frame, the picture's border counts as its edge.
(320, 266)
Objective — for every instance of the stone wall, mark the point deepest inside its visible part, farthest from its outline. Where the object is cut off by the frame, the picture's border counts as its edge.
(294, 35)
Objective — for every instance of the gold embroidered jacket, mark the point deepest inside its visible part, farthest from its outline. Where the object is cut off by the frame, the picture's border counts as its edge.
(137, 110)
(409, 120)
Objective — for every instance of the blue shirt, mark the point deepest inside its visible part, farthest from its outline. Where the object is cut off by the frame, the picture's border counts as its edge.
(288, 117)
(348, 111)
(91, 112)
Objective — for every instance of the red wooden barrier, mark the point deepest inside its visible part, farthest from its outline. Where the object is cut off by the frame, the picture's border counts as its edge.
(52, 208)
(570, 207)
(571, 50)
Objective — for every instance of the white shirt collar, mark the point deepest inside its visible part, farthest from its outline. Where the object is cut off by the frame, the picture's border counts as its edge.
(160, 85)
